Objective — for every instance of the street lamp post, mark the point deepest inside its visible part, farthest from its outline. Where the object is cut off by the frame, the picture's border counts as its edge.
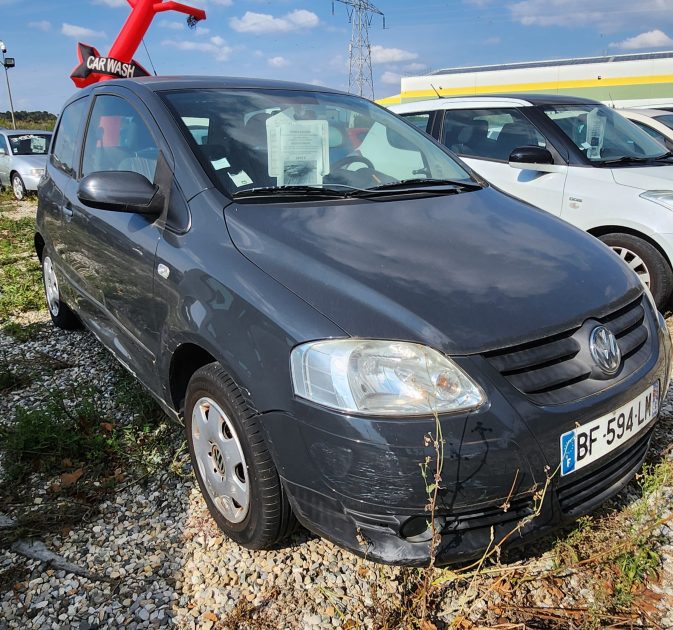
(8, 62)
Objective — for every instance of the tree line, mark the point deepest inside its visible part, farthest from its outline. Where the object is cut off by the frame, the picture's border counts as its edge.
(30, 120)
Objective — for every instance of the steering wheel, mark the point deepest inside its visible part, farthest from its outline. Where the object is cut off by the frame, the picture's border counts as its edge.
(352, 159)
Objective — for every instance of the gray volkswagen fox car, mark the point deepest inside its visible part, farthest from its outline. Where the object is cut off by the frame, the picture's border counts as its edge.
(314, 286)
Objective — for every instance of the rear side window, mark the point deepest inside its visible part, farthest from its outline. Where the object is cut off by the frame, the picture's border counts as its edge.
(65, 144)
(420, 120)
(657, 135)
(117, 139)
(491, 134)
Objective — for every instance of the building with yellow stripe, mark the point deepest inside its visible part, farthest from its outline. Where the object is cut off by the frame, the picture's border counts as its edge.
(622, 80)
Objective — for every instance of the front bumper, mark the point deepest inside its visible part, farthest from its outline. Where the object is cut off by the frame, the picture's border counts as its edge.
(357, 481)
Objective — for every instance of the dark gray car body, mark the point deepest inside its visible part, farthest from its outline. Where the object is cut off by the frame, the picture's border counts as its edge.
(473, 275)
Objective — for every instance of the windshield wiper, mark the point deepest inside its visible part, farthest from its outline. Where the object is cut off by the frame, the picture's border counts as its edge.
(636, 159)
(424, 182)
(294, 191)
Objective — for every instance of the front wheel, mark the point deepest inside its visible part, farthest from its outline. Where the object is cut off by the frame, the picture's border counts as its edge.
(232, 464)
(18, 187)
(646, 260)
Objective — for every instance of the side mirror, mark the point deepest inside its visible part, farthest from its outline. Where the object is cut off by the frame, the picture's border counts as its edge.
(121, 191)
(3, 151)
(534, 158)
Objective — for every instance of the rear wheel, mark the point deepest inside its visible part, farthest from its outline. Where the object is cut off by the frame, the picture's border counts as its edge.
(232, 464)
(60, 313)
(18, 187)
(646, 260)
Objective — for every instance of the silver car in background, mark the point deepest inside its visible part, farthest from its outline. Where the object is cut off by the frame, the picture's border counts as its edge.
(23, 155)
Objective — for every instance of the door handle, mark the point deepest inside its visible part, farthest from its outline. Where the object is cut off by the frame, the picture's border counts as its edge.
(67, 212)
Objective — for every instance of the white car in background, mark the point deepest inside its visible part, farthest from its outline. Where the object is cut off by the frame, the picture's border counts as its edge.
(657, 122)
(573, 157)
(23, 156)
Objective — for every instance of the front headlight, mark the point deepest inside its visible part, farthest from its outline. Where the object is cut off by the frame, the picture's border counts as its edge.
(37, 172)
(389, 378)
(662, 197)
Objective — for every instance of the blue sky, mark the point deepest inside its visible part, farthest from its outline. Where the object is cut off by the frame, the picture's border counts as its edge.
(305, 41)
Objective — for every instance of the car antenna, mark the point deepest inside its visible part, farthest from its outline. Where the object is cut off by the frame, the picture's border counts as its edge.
(436, 91)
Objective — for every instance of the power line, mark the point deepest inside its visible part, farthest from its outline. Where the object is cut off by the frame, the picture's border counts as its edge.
(360, 75)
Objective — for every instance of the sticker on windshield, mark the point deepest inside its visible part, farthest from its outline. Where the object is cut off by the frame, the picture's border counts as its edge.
(218, 165)
(298, 150)
(240, 179)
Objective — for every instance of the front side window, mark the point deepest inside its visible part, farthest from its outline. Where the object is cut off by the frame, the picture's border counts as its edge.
(30, 144)
(117, 139)
(490, 134)
(65, 145)
(251, 139)
(603, 135)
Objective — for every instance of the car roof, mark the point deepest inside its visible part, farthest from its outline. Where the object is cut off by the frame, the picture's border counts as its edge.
(161, 83)
(491, 100)
(650, 113)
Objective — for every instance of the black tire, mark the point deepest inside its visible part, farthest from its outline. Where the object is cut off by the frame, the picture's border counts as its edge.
(269, 518)
(60, 313)
(18, 187)
(661, 276)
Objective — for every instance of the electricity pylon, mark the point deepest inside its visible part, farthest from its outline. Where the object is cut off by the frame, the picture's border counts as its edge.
(360, 75)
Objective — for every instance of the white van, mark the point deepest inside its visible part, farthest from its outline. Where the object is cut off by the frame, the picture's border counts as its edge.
(573, 157)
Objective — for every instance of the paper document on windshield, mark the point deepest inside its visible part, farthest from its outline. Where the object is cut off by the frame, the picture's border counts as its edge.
(298, 150)
(596, 122)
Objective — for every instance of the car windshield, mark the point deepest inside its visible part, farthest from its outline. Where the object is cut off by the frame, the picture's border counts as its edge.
(602, 134)
(30, 144)
(665, 119)
(275, 139)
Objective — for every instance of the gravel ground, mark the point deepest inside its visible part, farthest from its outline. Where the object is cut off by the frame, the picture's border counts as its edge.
(148, 554)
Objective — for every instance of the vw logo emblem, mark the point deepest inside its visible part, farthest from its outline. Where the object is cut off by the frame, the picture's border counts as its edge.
(604, 350)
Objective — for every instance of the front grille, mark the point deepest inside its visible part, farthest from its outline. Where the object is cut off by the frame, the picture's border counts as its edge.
(556, 369)
(585, 491)
(517, 510)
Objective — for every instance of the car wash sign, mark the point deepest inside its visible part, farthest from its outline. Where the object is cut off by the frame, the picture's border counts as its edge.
(119, 62)
(91, 63)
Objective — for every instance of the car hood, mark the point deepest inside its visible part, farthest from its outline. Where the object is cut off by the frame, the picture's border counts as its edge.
(645, 177)
(464, 273)
(27, 162)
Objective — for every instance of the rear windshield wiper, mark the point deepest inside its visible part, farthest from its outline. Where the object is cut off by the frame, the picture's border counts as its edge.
(293, 191)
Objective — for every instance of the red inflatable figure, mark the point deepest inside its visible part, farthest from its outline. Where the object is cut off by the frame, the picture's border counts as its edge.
(120, 63)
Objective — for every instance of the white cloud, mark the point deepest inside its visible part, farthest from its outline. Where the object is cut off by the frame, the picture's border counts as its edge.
(391, 78)
(257, 23)
(42, 25)
(278, 62)
(381, 54)
(80, 32)
(414, 67)
(171, 24)
(202, 30)
(608, 15)
(215, 46)
(650, 39)
(112, 3)
(493, 41)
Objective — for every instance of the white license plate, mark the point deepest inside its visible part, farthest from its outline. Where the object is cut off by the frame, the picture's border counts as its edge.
(593, 440)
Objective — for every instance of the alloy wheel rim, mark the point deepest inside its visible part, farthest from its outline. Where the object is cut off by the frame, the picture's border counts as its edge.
(635, 262)
(51, 286)
(18, 188)
(220, 460)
